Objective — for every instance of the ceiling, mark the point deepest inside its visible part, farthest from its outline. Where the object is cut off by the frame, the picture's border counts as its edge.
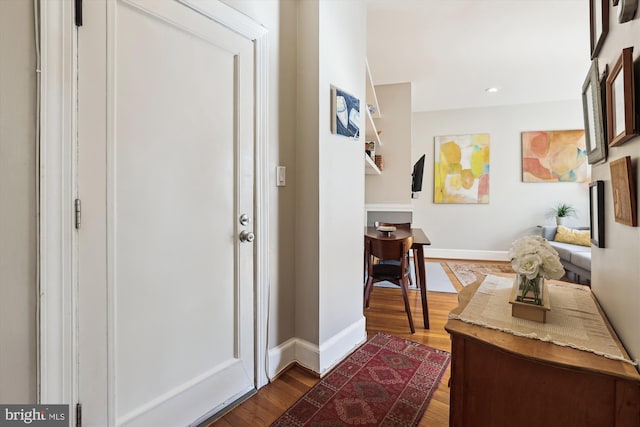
(452, 50)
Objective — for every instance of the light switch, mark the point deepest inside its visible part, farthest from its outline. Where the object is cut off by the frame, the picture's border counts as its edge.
(281, 176)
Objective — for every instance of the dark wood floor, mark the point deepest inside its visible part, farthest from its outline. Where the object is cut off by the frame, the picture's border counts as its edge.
(386, 314)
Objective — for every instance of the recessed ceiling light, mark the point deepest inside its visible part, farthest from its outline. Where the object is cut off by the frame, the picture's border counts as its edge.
(492, 89)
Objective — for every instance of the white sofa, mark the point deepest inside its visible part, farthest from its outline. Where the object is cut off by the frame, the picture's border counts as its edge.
(575, 258)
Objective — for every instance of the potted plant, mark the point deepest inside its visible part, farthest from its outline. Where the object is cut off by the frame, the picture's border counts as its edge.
(562, 211)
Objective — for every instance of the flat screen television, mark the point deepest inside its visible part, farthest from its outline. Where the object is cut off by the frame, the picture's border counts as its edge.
(416, 176)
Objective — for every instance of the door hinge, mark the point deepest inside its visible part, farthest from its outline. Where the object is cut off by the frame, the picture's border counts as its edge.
(79, 13)
(78, 211)
(78, 415)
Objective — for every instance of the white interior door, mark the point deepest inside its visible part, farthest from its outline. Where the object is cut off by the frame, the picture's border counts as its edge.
(165, 170)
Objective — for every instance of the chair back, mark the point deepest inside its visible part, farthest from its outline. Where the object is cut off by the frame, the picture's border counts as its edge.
(390, 249)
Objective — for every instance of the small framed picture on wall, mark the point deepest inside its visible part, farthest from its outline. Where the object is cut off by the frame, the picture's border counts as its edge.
(599, 24)
(592, 112)
(596, 213)
(345, 113)
(621, 111)
(623, 192)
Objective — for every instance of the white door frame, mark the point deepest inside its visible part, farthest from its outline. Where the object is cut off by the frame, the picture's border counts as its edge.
(58, 282)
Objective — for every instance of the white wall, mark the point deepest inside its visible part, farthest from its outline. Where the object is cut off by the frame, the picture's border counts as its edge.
(615, 275)
(515, 208)
(341, 182)
(394, 184)
(17, 203)
(316, 220)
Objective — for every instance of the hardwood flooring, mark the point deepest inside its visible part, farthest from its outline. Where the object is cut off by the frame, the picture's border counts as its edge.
(386, 314)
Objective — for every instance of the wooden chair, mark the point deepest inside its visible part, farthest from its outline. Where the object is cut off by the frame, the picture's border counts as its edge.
(401, 226)
(395, 273)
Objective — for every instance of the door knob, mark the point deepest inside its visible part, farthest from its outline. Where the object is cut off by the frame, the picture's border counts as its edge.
(247, 236)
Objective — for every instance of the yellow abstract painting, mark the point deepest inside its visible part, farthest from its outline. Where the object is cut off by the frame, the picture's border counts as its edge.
(461, 169)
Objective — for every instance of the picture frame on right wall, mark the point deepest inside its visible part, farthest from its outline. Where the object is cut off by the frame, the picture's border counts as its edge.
(599, 24)
(621, 111)
(623, 191)
(596, 213)
(592, 112)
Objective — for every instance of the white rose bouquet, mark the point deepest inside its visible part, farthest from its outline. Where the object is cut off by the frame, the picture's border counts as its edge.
(532, 258)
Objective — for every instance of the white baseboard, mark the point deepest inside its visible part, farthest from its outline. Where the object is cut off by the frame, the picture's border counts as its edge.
(388, 207)
(308, 355)
(333, 350)
(281, 356)
(466, 254)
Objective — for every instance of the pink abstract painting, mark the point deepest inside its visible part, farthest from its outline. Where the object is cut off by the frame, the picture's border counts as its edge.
(554, 156)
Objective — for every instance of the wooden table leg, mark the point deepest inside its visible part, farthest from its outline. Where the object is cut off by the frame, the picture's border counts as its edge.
(415, 268)
(420, 272)
(365, 263)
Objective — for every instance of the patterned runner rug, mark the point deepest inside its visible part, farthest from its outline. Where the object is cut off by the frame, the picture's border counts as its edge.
(469, 272)
(386, 381)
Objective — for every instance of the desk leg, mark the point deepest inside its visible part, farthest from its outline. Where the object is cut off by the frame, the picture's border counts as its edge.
(367, 288)
(365, 263)
(420, 272)
(415, 268)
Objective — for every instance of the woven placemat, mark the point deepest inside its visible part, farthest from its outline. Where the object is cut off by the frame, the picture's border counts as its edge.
(574, 320)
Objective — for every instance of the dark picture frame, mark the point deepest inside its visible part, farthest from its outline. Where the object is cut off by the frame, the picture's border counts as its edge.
(596, 213)
(345, 113)
(592, 112)
(599, 26)
(621, 111)
(623, 192)
(626, 10)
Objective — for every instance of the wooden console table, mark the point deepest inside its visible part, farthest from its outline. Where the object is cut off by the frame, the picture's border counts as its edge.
(499, 379)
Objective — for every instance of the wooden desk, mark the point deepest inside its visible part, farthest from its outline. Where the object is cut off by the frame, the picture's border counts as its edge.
(499, 379)
(419, 240)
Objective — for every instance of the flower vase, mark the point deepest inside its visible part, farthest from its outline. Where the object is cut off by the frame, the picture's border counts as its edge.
(529, 290)
(529, 298)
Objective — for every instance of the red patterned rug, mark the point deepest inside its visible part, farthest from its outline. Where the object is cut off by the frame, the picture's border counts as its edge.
(387, 381)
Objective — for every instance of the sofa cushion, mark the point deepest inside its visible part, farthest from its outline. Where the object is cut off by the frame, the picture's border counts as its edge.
(566, 249)
(582, 260)
(570, 235)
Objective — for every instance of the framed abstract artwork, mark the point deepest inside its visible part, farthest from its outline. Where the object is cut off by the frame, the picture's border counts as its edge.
(592, 113)
(461, 170)
(621, 111)
(596, 213)
(599, 24)
(554, 156)
(623, 192)
(345, 113)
